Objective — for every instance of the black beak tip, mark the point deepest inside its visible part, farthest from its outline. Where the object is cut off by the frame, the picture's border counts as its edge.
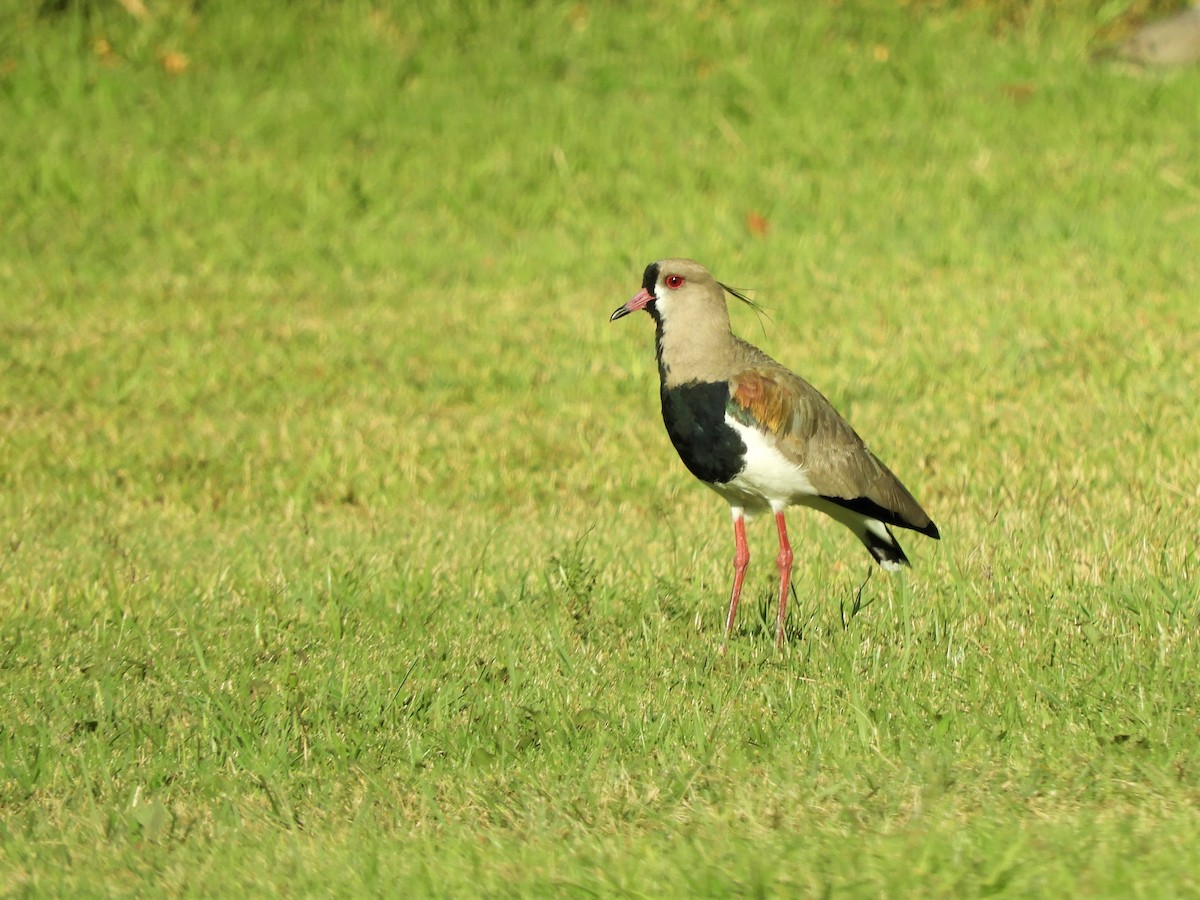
(618, 313)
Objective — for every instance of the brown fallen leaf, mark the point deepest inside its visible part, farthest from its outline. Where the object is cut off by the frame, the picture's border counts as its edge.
(756, 224)
(1019, 92)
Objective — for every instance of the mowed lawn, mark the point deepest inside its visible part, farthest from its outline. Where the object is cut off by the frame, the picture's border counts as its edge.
(342, 550)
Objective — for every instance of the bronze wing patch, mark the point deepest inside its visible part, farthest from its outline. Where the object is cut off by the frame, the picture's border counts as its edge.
(758, 400)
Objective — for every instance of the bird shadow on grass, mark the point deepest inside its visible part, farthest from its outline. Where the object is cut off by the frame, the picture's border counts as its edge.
(857, 604)
(762, 624)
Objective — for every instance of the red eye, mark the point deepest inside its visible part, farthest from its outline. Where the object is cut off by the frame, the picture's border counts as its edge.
(674, 282)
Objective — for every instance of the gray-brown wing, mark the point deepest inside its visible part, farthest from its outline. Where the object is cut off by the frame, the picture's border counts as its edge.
(811, 433)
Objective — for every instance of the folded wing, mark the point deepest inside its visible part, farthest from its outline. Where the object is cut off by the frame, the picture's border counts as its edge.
(811, 433)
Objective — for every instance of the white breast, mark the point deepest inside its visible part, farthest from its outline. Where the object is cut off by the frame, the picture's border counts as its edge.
(768, 479)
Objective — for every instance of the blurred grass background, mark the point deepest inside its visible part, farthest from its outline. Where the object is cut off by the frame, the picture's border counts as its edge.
(343, 548)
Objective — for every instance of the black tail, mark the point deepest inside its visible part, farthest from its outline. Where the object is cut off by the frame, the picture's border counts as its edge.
(883, 546)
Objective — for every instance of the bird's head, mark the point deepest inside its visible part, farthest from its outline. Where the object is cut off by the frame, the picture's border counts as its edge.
(673, 286)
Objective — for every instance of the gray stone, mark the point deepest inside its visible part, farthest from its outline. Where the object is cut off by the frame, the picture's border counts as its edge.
(1174, 41)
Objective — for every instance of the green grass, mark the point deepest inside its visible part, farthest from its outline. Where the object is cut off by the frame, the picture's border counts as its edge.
(343, 550)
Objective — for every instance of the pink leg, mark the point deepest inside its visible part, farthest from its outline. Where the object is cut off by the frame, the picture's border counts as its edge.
(784, 562)
(741, 559)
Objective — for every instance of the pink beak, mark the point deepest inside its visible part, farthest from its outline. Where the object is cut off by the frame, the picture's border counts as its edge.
(643, 298)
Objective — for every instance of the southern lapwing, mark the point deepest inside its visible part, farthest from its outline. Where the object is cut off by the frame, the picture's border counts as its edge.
(760, 436)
